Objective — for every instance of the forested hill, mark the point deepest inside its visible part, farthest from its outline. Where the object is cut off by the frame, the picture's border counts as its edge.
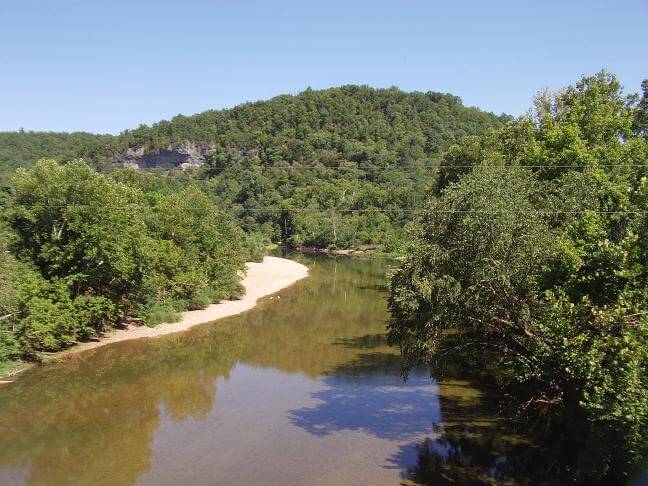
(336, 167)
(351, 123)
(23, 148)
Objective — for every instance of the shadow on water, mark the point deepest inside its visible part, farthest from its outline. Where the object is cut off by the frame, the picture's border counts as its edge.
(472, 446)
(368, 395)
(464, 441)
(93, 418)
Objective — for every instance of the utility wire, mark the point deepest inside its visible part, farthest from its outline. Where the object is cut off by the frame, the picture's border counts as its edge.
(340, 210)
(405, 169)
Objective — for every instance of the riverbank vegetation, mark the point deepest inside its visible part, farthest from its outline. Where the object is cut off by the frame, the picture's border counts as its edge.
(88, 244)
(81, 251)
(531, 257)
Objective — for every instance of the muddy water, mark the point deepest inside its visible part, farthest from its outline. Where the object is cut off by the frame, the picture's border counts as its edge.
(300, 390)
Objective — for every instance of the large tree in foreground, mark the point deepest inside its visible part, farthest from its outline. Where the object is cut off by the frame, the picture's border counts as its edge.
(543, 272)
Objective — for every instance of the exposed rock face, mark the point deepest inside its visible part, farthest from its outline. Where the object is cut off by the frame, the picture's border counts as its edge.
(183, 156)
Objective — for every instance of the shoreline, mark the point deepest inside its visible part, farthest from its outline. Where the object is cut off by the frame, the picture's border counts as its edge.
(363, 251)
(261, 280)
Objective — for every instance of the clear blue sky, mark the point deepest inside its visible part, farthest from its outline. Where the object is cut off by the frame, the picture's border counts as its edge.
(107, 65)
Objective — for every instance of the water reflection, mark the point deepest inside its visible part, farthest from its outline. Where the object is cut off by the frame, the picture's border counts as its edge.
(474, 455)
(473, 446)
(377, 404)
(301, 387)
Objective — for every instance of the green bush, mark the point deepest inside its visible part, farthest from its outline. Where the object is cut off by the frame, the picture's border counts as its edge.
(159, 312)
(95, 314)
(9, 345)
(203, 299)
(46, 326)
(256, 246)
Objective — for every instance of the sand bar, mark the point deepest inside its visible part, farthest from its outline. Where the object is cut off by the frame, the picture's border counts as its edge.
(261, 279)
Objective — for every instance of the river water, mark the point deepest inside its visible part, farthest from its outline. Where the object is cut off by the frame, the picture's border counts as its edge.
(300, 390)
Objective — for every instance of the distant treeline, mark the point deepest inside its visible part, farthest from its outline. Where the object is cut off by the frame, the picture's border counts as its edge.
(339, 167)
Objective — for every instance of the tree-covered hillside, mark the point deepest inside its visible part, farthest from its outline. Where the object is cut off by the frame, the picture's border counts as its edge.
(337, 167)
(23, 149)
(301, 128)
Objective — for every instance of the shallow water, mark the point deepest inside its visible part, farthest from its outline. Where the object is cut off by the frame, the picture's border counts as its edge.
(300, 390)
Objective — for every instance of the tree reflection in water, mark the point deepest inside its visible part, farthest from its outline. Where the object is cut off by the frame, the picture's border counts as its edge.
(92, 418)
(472, 455)
(473, 446)
(368, 395)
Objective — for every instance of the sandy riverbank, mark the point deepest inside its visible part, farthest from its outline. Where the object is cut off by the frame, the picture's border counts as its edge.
(261, 279)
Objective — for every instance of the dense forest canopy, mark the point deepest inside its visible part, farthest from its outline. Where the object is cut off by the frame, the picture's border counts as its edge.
(531, 256)
(339, 167)
(23, 148)
(301, 128)
(336, 167)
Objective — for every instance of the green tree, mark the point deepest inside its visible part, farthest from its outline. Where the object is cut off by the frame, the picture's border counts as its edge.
(542, 273)
(212, 248)
(78, 225)
(9, 299)
(86, 249)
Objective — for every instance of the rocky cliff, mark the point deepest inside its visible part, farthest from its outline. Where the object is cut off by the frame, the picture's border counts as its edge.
(181, 156)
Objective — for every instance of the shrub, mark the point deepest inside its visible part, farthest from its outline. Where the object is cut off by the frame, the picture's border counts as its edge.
(158, 312)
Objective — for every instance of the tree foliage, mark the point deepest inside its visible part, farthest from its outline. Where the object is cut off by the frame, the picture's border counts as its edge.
(533, 259)
(301, 169)
(88, 250)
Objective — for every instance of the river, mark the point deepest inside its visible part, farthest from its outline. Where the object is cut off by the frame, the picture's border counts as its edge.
(302, 389)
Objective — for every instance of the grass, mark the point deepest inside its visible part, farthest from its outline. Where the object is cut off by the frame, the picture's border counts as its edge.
(159, 312)
(8, 368)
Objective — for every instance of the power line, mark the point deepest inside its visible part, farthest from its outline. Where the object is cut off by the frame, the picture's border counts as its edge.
(405, 169)
(494, 211)
(359, 210)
